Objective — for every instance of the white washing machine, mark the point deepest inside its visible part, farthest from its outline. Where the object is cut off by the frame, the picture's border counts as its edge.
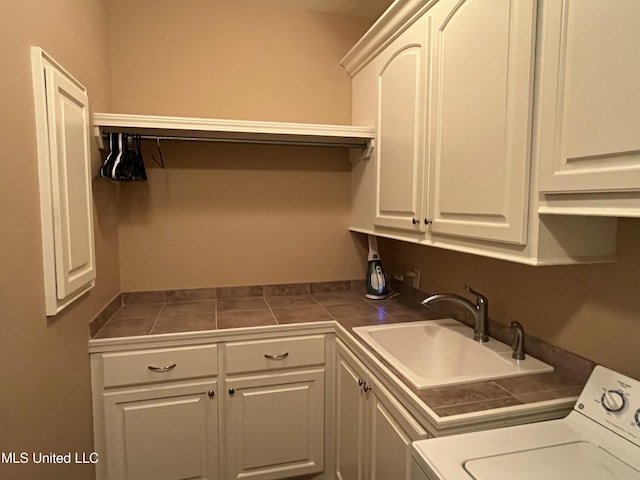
(598, 440)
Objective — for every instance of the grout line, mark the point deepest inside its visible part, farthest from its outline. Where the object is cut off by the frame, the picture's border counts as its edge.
(271, 310)
(156, 320)
(215, 313)
(503, 388)
(328, 313)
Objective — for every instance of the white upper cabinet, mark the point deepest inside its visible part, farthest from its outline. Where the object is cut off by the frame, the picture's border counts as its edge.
(480, 119)
(590, 96)
(400, 122)
(485, 119)
(64, 164)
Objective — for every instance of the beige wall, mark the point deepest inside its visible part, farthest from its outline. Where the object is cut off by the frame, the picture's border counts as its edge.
(591, 310)
(238, 215)
(232, 214)
(45, 404)
(222, 59)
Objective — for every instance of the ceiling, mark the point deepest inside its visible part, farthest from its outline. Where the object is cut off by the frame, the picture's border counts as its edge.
(369, 9)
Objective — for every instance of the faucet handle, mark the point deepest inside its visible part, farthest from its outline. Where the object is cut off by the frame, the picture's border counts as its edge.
(480, 298)
(517, 345)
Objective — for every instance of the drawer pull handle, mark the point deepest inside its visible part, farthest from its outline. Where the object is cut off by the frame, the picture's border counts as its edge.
(166, 368)
(282, 356)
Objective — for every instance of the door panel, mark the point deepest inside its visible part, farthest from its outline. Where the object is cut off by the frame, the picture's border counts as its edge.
(400, 130)
(67, 107)
(351, 418)
(392, 430)
(275, 425)
(590, 100)
(481, 98)
(165, 433)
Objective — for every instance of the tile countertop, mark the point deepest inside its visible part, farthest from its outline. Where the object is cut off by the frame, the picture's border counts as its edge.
(149, 313)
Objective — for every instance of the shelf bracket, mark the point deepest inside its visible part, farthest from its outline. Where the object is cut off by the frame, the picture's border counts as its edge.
(97, 134)
(366, 152)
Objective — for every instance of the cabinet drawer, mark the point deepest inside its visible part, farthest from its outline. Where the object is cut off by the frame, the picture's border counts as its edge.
(158, 365)
(274, 354)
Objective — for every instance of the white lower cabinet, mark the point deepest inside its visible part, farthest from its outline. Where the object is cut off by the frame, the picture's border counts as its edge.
(261, 408)
(374, 432)
(162, 433)
(275, 425)
(172, 413)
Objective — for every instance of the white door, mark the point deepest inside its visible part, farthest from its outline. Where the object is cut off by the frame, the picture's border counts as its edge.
(480, 118)
(163, 433)
(401, 89)
(71, 183)
(64, 170)
(275, 425)
(391, 431)
(590, 96)
(351, 416)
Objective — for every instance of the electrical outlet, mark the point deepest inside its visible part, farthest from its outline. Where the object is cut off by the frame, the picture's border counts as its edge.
(413, 278)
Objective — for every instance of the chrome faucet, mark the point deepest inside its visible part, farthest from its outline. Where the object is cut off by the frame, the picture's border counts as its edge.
(480, 310)
(518, 341)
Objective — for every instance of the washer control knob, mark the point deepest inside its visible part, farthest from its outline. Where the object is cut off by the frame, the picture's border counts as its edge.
(638, 417)
(613, 400)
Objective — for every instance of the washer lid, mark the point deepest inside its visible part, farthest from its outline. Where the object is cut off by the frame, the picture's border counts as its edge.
(571, 461)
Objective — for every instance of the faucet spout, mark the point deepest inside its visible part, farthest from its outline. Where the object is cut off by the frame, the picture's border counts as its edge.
(451, 298)
(479, 310)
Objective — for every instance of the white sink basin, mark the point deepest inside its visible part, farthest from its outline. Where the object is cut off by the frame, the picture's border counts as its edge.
(442, 352)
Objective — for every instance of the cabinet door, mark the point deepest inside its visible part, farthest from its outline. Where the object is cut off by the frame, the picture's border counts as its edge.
(480, 118)
(401, 72)
(589, 96)
(275, 425)
(416, 472)
(391, 432)
(351, 415)
(163, 433)
(64, 164)
(71, 183)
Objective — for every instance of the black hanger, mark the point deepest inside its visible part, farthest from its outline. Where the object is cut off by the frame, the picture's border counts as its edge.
(161, 162)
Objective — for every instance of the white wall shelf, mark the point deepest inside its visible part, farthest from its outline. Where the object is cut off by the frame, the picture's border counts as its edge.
(235, 131)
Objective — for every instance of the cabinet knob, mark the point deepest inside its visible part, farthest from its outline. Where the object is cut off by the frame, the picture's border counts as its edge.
(428, 221)
(360, 382)
(211, 394)
(232, 391)
(415, 221)
(366, 388)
